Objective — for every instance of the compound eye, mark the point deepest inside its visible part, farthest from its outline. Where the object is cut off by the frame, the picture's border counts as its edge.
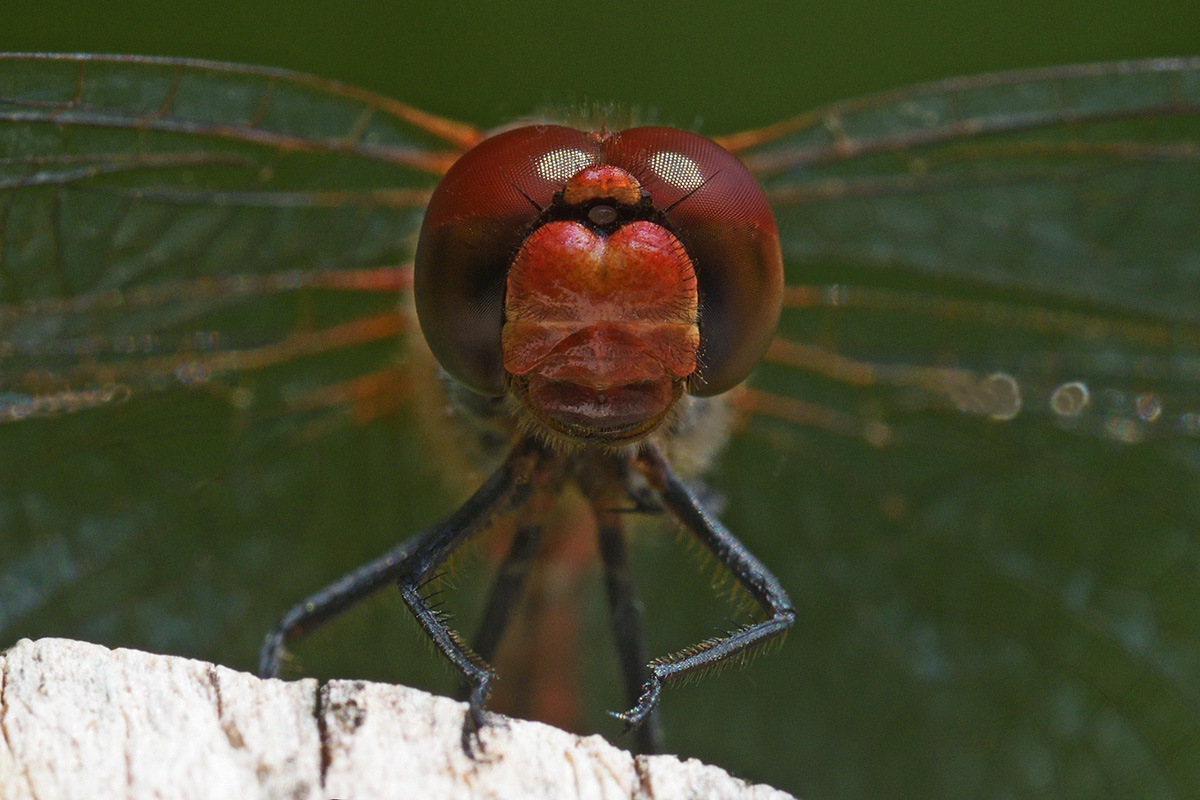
(475, 222)
(720, 214)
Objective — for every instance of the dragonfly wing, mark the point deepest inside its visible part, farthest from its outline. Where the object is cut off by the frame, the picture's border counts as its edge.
(156, 210)
(1076, 182)
(996, 278)
(183, 247)
(1035, 224)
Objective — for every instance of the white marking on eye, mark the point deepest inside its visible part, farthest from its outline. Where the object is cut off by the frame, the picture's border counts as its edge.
(677, 170)
(558, 166)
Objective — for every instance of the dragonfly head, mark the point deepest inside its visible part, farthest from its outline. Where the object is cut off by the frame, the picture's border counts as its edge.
(598, 276)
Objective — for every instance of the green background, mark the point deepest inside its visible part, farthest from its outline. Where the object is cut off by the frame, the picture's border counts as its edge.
(722, 65)
(829, 716)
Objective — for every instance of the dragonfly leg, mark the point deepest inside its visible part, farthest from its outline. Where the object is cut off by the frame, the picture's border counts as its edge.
(326, 604)
(748, 570)
(510, 485)
(499, 491)
(626, 615)
(510, 578)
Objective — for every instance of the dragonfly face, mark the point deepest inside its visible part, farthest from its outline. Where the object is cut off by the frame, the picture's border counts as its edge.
(969, 453)
(587, 272)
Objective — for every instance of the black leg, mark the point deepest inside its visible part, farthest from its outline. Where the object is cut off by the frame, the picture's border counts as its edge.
(503, 488)
(432, 551)
(341, 595)
(510, 579)
(748, 570)
(627, 624)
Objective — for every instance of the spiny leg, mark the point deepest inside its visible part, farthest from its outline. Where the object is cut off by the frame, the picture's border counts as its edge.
(432, 551)
(499, 491)
(506, 591)
(626, 623)
(748, 570)
(329, 602)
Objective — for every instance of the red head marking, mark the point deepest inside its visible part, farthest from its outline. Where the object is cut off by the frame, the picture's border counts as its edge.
(600, 332)
(604, 182)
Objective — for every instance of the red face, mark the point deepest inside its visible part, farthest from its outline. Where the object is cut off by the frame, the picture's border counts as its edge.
(598, 277)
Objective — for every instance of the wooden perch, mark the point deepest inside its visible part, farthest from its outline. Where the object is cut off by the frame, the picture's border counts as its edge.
(81, 721)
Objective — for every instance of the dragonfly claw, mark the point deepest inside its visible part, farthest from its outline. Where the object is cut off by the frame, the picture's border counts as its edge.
(646, 704)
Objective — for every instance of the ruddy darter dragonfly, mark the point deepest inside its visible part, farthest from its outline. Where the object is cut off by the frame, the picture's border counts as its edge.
(1007, 258)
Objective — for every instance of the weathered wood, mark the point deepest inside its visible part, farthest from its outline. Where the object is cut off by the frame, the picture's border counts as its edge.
(81, 721)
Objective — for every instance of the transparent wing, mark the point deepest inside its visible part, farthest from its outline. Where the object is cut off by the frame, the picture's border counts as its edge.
(168, 220)
(192, 251)
(1076, 182)
(982, 270)
(1034, 224)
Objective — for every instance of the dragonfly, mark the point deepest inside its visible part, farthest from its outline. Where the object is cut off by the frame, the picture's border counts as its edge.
(969, 452)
